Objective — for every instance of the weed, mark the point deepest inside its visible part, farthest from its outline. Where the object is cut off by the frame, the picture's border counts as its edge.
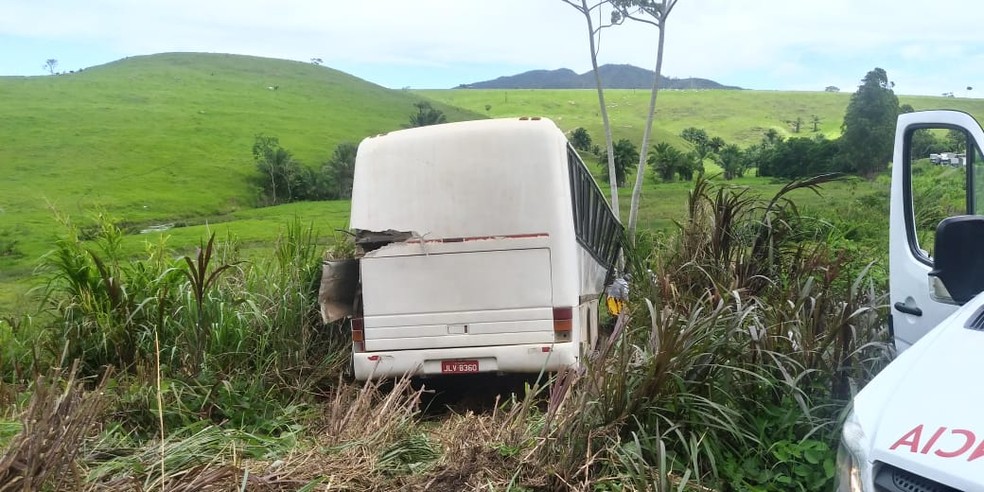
(59, 416)
(746, 334)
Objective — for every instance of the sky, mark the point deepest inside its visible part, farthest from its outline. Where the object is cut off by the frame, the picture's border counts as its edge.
(927, 48)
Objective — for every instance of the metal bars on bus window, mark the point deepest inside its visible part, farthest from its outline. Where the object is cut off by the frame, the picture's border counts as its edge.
(595, 225)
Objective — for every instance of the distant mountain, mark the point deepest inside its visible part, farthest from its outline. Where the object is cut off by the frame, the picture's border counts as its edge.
(612, 77)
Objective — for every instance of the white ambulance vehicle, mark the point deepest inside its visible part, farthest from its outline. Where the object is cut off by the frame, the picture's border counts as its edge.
(919, 425)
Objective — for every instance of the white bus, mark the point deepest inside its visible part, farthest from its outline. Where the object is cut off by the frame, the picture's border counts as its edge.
(483, 246)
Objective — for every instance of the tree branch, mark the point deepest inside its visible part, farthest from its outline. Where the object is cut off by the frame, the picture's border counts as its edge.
(658, 11)
(576, 6)
(657, 23)
(669, 7)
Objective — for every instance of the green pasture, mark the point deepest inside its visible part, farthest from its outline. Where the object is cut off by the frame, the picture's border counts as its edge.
(739, 117)
(244, 384)
(252, 229)
(166, 139)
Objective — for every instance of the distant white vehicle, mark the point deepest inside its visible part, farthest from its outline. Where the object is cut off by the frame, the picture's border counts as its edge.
(483, 246)
(949, 158)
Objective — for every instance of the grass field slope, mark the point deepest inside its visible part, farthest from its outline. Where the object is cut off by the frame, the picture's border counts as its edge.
(752, 320)
(166, 138)
(740, 117)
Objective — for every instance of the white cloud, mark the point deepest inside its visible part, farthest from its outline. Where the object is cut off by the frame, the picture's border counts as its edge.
(779, 42)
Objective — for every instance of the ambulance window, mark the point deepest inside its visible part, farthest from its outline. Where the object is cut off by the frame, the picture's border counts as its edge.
(975, 160)
(940, 168)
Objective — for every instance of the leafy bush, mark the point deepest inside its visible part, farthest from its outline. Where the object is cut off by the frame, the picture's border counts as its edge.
(9, 244)
(426, 115)
(339, 171)
(746, 339)
(747, 333)
(581, 139)
(797, 157)
(625, 156)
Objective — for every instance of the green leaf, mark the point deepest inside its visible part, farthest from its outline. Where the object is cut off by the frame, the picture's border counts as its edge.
(812, 456)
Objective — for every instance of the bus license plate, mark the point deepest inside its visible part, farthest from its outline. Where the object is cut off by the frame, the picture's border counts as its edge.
(459, 366)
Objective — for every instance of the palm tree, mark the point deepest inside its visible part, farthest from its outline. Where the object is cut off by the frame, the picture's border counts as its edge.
(716, 144)
(581, 139)
(625, 155)
(772, 137)
(426, 115)
(340, 170)
(731, 160)
(666, 161)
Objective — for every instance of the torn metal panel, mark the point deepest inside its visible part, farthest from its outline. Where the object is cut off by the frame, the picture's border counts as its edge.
(339, 283)
(340, 278)
(372, 240)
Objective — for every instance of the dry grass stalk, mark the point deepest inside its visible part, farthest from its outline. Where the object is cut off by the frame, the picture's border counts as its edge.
(59, 416)
(357, 424)
(478, 453)
(369, 414)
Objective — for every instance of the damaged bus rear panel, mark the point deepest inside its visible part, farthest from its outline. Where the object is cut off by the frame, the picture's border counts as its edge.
(482, 246)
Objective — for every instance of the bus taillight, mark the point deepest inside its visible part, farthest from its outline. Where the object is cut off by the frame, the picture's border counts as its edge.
(358, 333)
(563, 319)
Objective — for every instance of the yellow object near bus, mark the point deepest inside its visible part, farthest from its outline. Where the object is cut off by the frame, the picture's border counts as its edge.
(616, 293)
(615, 305)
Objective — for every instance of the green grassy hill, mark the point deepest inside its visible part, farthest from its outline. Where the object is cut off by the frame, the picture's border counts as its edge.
(167, 138)
(237, 377)
(740, 117)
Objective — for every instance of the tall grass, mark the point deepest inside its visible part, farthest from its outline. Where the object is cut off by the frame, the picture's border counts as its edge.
(236, 345)
(59, 415)
(748, 330)
(746, 338)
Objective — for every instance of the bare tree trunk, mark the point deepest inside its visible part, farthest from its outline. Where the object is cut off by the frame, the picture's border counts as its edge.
(586, 12)
(612, 176)
(613, 182)
(273, 182)
(644, 150)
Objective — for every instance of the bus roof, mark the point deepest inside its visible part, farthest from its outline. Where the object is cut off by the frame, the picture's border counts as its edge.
(473, 178)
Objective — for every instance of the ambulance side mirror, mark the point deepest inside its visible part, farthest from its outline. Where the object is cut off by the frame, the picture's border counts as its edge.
(958, 261)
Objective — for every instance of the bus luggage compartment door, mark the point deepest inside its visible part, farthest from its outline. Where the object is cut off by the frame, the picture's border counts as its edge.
(445, 300)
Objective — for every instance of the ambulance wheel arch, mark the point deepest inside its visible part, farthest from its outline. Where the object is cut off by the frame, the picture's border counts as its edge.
(955, 187)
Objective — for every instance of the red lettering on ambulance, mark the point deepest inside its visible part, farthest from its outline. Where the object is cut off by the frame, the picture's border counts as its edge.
(969, 439)
(910, 439)
(977, 452)
(932, 440)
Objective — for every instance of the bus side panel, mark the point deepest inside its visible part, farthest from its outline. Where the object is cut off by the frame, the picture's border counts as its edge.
(592, 274)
